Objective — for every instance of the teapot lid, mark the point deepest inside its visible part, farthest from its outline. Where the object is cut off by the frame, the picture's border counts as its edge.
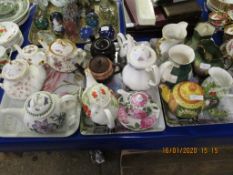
(62, 47)
(139, 99)
(100, 95)
(102, 43)
(99, 64)
(15, 69)
(39, 104)
(141, 57)
(189, 94)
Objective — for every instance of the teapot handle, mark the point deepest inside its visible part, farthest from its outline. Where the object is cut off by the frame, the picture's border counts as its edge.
(165, 74)
(111, 119)
(156, 75)
(66, 100)
(19, 50)
(120, 39)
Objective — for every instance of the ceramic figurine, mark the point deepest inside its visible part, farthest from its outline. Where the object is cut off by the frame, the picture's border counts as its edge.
(172, 34)
(107, 32)
(185, 100)
(22, 79)
(137, 111)
(86, 32)
(99, 103)
(44, 112)
(141, 73)
(125, 43)
(32, 54)
(92, 19)
(104, 47)
(179, 68)
(102, 68)
(56, 19)
(62, 55)
(207, 55)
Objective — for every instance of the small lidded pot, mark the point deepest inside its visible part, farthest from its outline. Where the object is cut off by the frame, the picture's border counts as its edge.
(137, 110)
(102, 68)
(103, 46)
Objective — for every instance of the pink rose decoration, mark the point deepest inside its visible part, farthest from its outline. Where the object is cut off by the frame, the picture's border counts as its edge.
(122, 115)
(139, 99)
(148, 122)
(139, 114)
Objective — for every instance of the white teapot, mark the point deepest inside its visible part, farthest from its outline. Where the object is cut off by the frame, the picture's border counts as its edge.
(141, 73)
(22, 79)
(99, 103)
(62, 55)
(126, 43)
(44, 112)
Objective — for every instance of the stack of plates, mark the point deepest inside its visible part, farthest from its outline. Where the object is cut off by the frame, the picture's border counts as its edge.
(15, 11)
(10, 35)
(219, 5)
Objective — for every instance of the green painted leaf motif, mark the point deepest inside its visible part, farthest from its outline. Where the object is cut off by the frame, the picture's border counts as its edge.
(137, 125)
(148, 110)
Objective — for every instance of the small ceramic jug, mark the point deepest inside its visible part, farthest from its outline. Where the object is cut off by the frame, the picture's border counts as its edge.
(126, 43)
(141, 73)
(179, 67)
(172, 34)
(32, 54)
(62, 55)
(44, 112)
(22, 79)
(99, 103)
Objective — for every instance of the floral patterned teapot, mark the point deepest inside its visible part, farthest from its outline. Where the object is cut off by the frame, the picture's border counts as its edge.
(137, 110)
(62, 55)
(22, 79)
(44, 112)
(99, 103)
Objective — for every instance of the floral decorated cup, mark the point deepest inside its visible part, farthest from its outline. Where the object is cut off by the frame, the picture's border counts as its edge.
(137, 111)
(44, 112)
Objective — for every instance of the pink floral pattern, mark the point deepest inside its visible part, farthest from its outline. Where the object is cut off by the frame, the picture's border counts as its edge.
(138, 113)
(148, 122)
(122, 115)
(139, 99)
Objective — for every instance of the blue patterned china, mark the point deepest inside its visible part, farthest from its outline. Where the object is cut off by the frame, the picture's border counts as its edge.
(107, 31)
(86, 32)
(92, 19)
(56, 19)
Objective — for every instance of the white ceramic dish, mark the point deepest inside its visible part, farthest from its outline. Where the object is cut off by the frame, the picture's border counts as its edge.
(59, 83)
(13, 126)
(20, 12)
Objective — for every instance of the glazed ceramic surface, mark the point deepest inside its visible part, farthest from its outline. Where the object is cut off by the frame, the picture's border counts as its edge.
(185, 100)
(14, 11)
(179, 68)
(44, 112)
(63, 54)
(137, 111)
(99, 103)
(22, 79)
(207, 55)
(32, 54)
(141, 73)
(126, 43)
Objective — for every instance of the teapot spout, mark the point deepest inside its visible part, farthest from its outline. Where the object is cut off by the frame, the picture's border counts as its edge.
(165, 92)
(110, 118)
(90, 81)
